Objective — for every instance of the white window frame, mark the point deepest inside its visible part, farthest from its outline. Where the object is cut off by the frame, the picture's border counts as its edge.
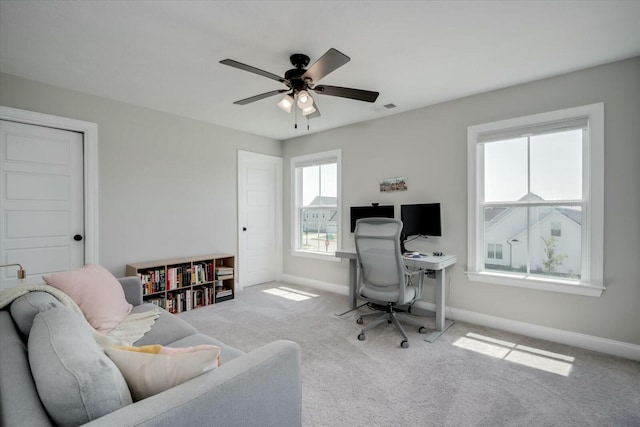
(591, 281)
(296, 201)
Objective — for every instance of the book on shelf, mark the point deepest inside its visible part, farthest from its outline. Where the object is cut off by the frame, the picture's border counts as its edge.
(224, 293)
(180, 277)
(152, 281)
(202, 297)
(187, 283)
(159, 301)
(198, 274)
(196, 298)
(203, 273)
(185, 276)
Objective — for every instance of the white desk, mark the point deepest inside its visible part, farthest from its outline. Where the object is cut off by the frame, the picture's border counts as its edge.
(436, 263)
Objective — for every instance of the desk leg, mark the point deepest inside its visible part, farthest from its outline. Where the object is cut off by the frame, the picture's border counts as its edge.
(442, 324)
(353, 277)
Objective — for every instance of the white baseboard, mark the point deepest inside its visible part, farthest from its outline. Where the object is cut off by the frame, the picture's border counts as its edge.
(589, 342)
(576, 339)
(316, 284)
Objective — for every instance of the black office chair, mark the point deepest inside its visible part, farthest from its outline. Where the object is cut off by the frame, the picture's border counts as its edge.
(383, 279)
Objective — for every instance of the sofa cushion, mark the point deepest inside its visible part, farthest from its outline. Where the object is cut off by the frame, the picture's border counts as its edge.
(20, 403)
(227, 353)
(25, 308)
(132, 288)
(153, 369)
(166, 329)
(97, 292)
(76, 381)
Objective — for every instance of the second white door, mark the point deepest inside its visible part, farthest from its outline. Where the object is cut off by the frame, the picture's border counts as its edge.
(260, 218)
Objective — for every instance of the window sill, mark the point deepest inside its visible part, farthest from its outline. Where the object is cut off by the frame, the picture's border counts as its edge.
(329, 256)
(537, 283)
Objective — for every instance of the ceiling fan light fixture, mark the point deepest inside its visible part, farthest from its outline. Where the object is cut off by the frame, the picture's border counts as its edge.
(309, 110)
(300, 80)
(304, 100)
(286, 103)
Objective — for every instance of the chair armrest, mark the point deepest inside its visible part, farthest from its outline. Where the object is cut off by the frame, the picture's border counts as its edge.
(132, 287)
(260, 388)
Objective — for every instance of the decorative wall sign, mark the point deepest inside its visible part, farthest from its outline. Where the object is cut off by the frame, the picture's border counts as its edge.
(393, 184)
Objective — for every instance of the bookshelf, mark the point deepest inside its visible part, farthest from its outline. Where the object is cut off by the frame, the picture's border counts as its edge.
(181, 284)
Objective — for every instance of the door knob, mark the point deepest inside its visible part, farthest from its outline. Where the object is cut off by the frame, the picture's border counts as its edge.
(77, 237)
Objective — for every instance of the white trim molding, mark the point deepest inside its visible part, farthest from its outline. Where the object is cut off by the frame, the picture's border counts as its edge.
(556, 285)
(90, 152)
(575, 339)
(315, 255)
(316, 284)
(313, 159)
(591, 279)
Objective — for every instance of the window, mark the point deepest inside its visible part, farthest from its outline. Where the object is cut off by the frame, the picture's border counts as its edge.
(494, 251)
(536, 201)
(315, 181)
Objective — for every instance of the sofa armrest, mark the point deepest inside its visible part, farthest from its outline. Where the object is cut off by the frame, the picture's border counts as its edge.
(260, 388)
(132, 289)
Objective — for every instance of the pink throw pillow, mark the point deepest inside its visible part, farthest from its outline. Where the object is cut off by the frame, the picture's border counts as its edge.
(97, 292)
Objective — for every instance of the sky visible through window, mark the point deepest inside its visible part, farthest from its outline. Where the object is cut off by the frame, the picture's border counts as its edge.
(319, 181)
(556, 167)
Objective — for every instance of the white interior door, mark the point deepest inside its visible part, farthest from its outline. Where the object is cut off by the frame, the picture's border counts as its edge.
(41, 200)
(259, 218)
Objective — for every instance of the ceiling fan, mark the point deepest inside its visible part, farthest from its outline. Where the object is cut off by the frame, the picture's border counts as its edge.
(300, 81)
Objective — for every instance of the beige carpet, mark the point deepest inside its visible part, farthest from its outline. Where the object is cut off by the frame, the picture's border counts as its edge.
(471, 376)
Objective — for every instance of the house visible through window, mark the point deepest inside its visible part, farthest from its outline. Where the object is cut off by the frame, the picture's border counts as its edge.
(535, 200)
(315, 179)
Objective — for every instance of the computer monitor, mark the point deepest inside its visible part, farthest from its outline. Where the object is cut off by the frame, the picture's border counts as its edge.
(421, 219)
(358, 212)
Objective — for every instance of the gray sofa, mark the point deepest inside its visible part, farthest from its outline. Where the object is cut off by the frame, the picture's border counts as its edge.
(259, 388)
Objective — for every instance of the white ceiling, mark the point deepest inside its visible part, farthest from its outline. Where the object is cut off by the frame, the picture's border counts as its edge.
(165, 55)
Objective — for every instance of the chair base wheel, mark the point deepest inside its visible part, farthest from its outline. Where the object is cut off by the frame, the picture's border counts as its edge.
(361, 337)
(404, 344)
(359, 321)
(422, 330)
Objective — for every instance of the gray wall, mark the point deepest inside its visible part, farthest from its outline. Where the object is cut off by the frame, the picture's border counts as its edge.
(428, 146)
(167, 184)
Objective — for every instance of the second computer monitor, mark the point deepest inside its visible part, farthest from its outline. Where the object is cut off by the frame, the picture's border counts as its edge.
(421, 219)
